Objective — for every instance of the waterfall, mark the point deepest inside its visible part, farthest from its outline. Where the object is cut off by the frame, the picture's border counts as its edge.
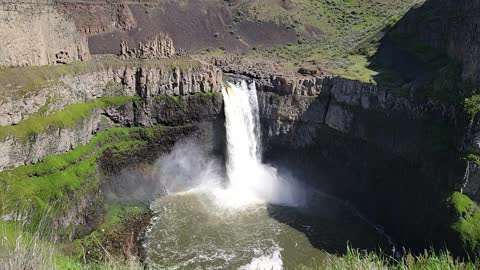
(243, 133)
(249, 179)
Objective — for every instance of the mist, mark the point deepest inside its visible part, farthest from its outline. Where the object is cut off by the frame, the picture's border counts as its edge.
(188, 166)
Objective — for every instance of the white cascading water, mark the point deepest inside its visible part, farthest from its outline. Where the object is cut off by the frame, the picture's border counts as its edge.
(203, 225)
(250, 180)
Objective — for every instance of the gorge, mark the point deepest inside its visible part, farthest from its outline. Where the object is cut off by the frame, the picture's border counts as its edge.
(238, 134)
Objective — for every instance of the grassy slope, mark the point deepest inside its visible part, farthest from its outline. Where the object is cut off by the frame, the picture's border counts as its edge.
(46, 185)
(120, 221)
(342, 26)
(44, 191)
(67, 117)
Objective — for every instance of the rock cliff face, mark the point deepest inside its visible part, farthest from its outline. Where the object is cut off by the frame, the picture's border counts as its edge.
(348, 107)
(150, 105)
(350, 138)
(93, 17)
(111, 81)
(34, 35)
(452, 26)
(159, 45)
(194, 96)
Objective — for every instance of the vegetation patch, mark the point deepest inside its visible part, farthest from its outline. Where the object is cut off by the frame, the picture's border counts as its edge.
(446, 81)
(182, 100)
(362, 260)
(50, 189)
(51, 184)
(473, 158)
(468, 220)
(113, 240)
(472, 105)
(68, 117)
(331, 32)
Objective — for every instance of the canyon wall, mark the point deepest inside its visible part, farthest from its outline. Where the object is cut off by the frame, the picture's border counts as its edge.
(100, 122)
(451, 26)
(121, 79)
(34, 34)
(194, 95)
(395, 157)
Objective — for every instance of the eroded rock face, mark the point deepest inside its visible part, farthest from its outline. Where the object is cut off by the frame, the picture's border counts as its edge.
(159, 45)
(95, 17)
(194, 96)
(385, 153)
(126, 81)
(148, 112)
(24, 151)
(36, 34)
(349, 107)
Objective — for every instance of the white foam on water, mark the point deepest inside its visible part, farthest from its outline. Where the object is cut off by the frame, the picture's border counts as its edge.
(272, 261)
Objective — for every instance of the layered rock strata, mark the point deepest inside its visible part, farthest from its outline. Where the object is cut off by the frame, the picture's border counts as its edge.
(192, 91)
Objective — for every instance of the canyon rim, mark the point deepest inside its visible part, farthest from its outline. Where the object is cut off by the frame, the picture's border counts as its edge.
(242, 134)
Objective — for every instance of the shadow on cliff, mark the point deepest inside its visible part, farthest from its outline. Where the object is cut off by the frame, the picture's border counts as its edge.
(395, 168)
(403, 197)
(412, 60)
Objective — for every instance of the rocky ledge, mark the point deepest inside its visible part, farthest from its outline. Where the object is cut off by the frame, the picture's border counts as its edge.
(57, 118)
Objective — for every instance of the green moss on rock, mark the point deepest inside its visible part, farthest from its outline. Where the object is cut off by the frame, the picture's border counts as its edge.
(113, 236)
(67, 117)
(467, 224)
(51, 184)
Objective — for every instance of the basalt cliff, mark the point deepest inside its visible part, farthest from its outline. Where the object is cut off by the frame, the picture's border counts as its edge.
(93, 88)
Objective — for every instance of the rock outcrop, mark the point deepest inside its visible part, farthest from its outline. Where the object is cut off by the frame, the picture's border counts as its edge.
(157, 46)
(36, 34)
(345, 106)
(125, 80)
(194, 96)
(452, 27)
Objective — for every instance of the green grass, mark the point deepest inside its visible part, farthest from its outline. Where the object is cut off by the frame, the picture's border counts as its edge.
(182, 100)
(472, 105)
(68, 263)
(120, 219)
(116, 213)
(68, 117)
(334, 18)
(468, 222)
(345, 27)
(473, 158)
(446, 82)
(22, 248)
(52, 183)
(23, 81)
(360, 260)
(176, 99)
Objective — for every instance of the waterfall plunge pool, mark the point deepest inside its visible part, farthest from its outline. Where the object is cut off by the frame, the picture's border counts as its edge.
(260, 219)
